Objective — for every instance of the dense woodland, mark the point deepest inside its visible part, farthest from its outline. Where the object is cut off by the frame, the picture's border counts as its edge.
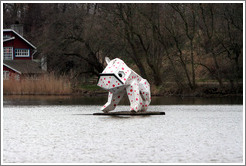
(185, 45)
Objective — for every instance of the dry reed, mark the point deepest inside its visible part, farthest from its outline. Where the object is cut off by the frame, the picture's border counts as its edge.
(48, 84)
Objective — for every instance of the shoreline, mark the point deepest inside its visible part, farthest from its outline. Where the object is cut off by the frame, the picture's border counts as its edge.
(90, 94)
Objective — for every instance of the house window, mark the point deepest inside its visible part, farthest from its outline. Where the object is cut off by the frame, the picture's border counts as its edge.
(7, 53)
(5, 75)
(22, 52)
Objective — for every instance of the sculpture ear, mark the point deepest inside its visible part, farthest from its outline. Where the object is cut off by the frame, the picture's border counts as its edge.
(107, 59)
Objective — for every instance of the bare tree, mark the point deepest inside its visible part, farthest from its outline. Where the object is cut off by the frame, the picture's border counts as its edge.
(165, 42)
(221, 41)
(188, 16)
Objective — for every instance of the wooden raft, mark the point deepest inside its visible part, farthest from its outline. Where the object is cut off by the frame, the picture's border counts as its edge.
(130, 113)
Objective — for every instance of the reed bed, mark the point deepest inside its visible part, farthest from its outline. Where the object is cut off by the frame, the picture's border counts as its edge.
(48, 84)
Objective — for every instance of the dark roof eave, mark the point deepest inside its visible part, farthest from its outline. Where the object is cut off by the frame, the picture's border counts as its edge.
(12, 38)
(23, 66)
(8, 66)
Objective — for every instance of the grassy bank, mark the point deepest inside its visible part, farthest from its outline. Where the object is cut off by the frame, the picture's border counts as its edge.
(45, 85)
(204, 89)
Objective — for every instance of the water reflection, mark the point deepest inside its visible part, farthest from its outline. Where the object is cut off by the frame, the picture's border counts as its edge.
(100, 100)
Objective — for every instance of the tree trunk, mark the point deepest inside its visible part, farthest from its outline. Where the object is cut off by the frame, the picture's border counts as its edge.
(192, 64)
(137, 61)
(156, 73)
(218, 73)
(183, 63)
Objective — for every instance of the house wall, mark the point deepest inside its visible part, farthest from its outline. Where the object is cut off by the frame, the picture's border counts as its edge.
(17, 43)
(12, 74)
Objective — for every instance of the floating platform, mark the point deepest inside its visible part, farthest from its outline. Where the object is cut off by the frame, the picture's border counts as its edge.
(130, 113)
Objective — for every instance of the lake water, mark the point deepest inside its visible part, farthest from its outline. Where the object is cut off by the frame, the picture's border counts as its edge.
(37, 131)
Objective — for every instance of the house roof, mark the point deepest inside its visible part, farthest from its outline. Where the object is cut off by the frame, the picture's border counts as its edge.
(11, 30)
(24, 66)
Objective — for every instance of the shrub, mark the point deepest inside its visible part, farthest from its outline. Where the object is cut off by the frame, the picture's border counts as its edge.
(47, 84)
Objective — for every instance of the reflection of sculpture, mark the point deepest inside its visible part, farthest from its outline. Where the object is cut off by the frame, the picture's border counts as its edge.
(118, 77)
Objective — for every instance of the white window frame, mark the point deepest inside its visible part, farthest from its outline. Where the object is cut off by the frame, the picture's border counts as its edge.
(22, 52)
(6, 75)
(7, 55)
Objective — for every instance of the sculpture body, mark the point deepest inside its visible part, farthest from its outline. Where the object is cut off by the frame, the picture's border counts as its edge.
(117, 78)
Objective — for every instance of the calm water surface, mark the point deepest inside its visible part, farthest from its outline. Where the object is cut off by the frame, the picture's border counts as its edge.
(63, 130)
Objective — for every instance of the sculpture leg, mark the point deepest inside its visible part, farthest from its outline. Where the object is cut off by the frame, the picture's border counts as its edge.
(113, 100)
(134, 97)
(145, 93)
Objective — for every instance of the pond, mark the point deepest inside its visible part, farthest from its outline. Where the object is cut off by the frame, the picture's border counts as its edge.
(65, 131)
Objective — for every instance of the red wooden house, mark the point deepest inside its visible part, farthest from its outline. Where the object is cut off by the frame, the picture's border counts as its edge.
(18, 56)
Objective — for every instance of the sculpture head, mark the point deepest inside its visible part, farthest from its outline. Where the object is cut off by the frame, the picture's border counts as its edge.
(114, 77)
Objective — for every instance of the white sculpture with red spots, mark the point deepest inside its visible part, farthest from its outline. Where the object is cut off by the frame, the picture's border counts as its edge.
(117, 78)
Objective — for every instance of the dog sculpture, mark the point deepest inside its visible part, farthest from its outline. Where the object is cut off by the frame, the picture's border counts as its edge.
(117, 78)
